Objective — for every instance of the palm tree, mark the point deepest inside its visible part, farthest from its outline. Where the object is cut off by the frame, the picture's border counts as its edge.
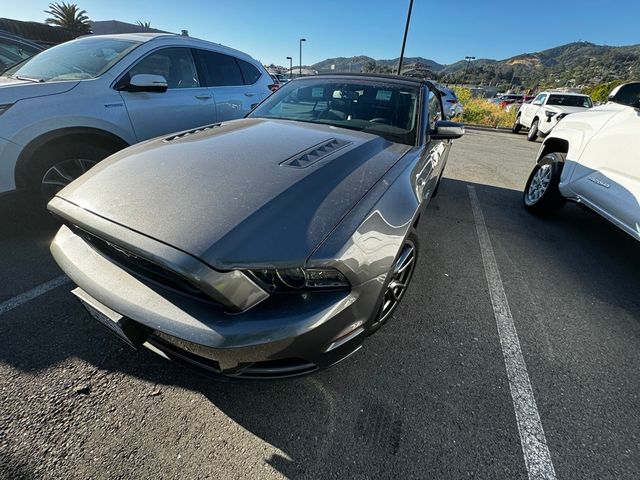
(68, 15)
(140, 23)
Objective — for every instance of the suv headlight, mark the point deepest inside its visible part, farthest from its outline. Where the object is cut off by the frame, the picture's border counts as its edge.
(300, 279)
(5, 107)
(549, 114)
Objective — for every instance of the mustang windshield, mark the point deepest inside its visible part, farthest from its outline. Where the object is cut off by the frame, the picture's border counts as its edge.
(76, 60)
(386, 109)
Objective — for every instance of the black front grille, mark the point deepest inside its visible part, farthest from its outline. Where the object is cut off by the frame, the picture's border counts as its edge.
(141, 267)
(203, 357)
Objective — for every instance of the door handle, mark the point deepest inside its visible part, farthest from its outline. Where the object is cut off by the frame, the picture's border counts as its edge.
(247, 94)
(204, 96)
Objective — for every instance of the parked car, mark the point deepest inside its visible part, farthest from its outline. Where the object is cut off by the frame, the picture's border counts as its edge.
(452, 106)
(70, 106)
(593, 158)
(506, 98)
(546, 110)
(264, 247)
(517, 104)
(282, 79)
(14, 49)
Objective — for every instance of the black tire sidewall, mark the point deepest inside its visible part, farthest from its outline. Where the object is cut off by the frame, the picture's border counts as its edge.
(413, 238)
(551, 200)
(533, 131)
(516, 125)
(61, 153)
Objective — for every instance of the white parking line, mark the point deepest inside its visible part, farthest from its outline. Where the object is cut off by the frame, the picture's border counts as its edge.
(534, 443)
(33, 293)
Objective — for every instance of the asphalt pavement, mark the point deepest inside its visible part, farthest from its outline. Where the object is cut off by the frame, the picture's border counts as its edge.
(427, 397)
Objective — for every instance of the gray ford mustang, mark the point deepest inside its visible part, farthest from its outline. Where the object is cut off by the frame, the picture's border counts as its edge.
(265, 247)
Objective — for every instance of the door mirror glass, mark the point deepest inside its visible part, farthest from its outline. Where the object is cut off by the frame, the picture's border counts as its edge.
(145, 82)
(446, 130)
(627, 94)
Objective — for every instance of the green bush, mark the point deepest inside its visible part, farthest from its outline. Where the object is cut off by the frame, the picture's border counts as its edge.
(600, 92)
(479, 111)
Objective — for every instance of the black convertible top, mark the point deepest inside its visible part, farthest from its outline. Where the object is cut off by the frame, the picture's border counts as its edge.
(371, 76)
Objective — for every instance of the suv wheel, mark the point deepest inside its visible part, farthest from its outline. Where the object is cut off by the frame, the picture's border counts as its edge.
(516, 125)
(542, 196)
(533, 131)
(62, 165)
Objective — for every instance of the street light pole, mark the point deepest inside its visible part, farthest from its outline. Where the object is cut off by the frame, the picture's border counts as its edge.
(404, 39)
(290, 67)
(301, 40)
(468, 59)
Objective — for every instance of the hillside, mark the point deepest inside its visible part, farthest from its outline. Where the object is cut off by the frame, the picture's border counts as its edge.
(360, 63)
(574, 64)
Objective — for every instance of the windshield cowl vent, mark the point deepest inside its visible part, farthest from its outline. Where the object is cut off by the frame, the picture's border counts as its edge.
(316, 153)
(191, 132)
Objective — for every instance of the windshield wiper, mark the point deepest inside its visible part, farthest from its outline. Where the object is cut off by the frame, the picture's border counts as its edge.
(35, 80)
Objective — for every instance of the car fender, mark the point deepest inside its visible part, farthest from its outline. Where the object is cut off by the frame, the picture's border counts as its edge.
(366, 242)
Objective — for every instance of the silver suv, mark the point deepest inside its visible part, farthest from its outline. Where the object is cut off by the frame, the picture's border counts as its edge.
(72, 105)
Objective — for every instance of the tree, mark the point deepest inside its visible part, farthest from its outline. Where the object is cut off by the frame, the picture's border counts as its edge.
(140, 23)
(68, 15)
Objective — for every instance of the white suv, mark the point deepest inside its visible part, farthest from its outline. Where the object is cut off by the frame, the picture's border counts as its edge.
(546, 110)
(72, 105)
(593, 158)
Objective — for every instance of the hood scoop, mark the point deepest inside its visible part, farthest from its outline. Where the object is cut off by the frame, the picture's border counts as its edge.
(190, 132)
(316, 153)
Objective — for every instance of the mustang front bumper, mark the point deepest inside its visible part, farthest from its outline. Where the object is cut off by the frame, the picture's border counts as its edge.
(285, 335)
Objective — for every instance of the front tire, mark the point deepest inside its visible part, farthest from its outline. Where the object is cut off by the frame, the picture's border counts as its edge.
(541, 195)
(517, 126)
(533, 131)
(398, 280)
(61, 165)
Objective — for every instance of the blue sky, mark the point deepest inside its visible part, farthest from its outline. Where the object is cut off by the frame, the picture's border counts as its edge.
(442, 31)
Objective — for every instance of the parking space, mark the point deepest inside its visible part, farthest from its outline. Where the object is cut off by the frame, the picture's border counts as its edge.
(427, 397)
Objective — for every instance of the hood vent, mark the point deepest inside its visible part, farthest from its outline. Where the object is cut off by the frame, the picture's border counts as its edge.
(191, 132)
(315, 153)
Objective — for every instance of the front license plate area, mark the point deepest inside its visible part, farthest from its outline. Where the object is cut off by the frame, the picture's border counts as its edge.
(124, 328)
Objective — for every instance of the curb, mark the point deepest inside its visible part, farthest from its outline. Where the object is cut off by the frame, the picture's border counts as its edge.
(471, 126)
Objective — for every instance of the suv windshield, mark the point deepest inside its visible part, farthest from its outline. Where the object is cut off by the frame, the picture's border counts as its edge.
(76, 60)
(385, 109)
(570, 101)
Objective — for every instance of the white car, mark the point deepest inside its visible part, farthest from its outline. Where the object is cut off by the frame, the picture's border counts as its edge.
(72, 105)
(451, 104)
(593, 158)
(546, 110)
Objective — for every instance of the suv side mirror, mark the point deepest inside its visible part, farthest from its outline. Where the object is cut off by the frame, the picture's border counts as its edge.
(446, 130)
(626, 94)
(144, 82)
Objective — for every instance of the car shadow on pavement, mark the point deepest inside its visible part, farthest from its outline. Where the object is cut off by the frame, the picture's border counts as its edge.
(421, 396)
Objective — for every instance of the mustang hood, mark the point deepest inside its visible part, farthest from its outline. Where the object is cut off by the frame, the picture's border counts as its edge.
(250, 192)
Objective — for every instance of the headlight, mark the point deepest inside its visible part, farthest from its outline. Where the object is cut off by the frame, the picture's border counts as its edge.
(297, 279)
(5, 107)
(549, 114)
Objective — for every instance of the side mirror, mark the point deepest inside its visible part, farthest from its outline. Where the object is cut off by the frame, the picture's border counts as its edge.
(447, 130)
(626, 94)
(144, 82)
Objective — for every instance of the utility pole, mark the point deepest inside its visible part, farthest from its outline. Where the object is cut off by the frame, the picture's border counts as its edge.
(290, 67)
(468, 59)
(301, 40)
(404, 40)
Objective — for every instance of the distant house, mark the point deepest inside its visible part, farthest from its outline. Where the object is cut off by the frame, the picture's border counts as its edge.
(108, 27)
(39, 33)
